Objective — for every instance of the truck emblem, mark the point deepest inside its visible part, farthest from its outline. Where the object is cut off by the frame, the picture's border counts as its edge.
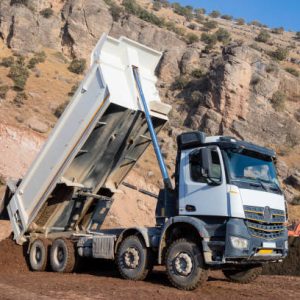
(267, 213)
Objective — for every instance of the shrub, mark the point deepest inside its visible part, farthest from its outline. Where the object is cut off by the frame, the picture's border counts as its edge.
(77, 65)
(172, 27)
(227, 17)
(20, 2)
(278, 101)
(186, 11)
(133, 8)
(298, 35)
(8, 61)
(292, 71)
(197, 73)
(60, 109)
(3, 91)
(263, 36)
(156, 5)
(199, 11)
(19, 74)
(73, 89)
(215, 14)
(240, 21)
(209, 39)
(20, 98)
(180, 83)
(280, 54)
(256, 23)
(223, 35)
(38, 57)
(279, 30)
(115, 11)
(47, 12)
(271, 68)
(255, 80)
(209, 25)
(192, 38)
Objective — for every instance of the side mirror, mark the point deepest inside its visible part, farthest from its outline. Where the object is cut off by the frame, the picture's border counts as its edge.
(206, 161)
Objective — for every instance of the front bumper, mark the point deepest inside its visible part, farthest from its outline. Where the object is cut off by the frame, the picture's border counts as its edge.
(237, 227)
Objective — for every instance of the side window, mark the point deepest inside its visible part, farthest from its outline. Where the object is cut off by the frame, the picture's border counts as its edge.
(196, 171)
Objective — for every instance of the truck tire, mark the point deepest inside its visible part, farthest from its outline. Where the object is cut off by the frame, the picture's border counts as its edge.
(185, 265)
(133, 259)
(244, 275)
(38, 255)
(63, 256)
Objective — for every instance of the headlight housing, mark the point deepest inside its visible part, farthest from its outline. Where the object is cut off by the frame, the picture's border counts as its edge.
(239, 243)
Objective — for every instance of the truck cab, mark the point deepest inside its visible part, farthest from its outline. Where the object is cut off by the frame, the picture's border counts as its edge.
(231, 186)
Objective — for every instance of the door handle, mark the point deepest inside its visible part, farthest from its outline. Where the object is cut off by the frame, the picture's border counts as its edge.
(190, 208)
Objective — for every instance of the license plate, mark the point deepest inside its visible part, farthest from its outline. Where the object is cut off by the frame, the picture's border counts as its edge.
(265, 251)
(269, 245)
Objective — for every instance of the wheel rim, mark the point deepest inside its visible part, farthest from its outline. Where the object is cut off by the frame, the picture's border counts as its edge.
(131, 258)
(183, 264)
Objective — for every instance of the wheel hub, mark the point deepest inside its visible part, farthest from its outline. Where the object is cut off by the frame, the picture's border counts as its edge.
(60, 255)
(183, 264)
(38, 254)
(131, 258)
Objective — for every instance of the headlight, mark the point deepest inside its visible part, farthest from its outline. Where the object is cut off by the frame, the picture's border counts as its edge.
(239, 243)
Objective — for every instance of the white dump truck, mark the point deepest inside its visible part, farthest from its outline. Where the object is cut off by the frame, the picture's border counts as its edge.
(226, 210)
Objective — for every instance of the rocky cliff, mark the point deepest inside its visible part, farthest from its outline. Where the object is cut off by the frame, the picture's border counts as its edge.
(234, 88)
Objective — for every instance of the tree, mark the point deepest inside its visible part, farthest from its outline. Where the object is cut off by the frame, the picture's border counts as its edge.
(215, 14)
(280, 54)
(227, 17)
(263, 36)
(209, 39)
(200, 11)
(209, 25)
(240, 21)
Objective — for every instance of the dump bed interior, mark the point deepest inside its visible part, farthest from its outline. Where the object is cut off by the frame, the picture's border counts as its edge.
(98, 139)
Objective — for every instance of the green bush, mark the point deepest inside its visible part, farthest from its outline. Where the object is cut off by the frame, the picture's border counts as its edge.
(209, 39)
(172, 27)
(197, 73)
(77, 65)
(19, 74)
(209, 25)
(240, 21)
(180, 83)
(192, 38)
(278, 101)
(292, 71)
(60, 109)
(271, 68)
(133, 8)
(186, 11)
(280, 54)
(20, 98)
(156, 5)
(115, 11)
(3, 91)
(38, 57)
(7, 61)
(199, 11)
(47, 12)
(279, 30)
(256, 23)
(223, 36)
(227, 17)
(215, 14)
(263, 36)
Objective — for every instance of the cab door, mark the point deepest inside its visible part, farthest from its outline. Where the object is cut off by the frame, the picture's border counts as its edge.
(198, 194)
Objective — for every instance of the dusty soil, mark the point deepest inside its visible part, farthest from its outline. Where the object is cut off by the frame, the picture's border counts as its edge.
(100, 280)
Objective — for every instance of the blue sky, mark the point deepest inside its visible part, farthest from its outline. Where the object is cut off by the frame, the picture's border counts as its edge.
(274, 13)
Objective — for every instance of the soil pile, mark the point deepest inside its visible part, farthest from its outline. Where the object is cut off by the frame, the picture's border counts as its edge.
(291, 265)
(12, 259)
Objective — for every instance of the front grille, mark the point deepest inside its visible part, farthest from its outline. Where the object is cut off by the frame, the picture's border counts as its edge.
(265, 222)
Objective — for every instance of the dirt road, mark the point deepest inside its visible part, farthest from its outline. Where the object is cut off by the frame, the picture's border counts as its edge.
(106, 284)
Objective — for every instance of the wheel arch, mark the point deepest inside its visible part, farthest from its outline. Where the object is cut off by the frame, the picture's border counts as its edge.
(142, 233)
(177, 227)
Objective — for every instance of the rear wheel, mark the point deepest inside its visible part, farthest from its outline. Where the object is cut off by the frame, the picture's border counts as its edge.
(38, 255)
(133, 259)
(62, 256)
(185, 265)
(243, 275)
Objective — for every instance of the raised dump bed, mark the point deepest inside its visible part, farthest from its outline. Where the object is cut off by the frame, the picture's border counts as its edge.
(98, 139)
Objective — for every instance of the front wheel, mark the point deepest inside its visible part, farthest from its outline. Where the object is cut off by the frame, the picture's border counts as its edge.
(185, 265)
(243, 275)
(133, 259)
(38, 255)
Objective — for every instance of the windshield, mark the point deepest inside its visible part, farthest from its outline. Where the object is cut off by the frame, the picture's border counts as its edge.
(247, 166)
